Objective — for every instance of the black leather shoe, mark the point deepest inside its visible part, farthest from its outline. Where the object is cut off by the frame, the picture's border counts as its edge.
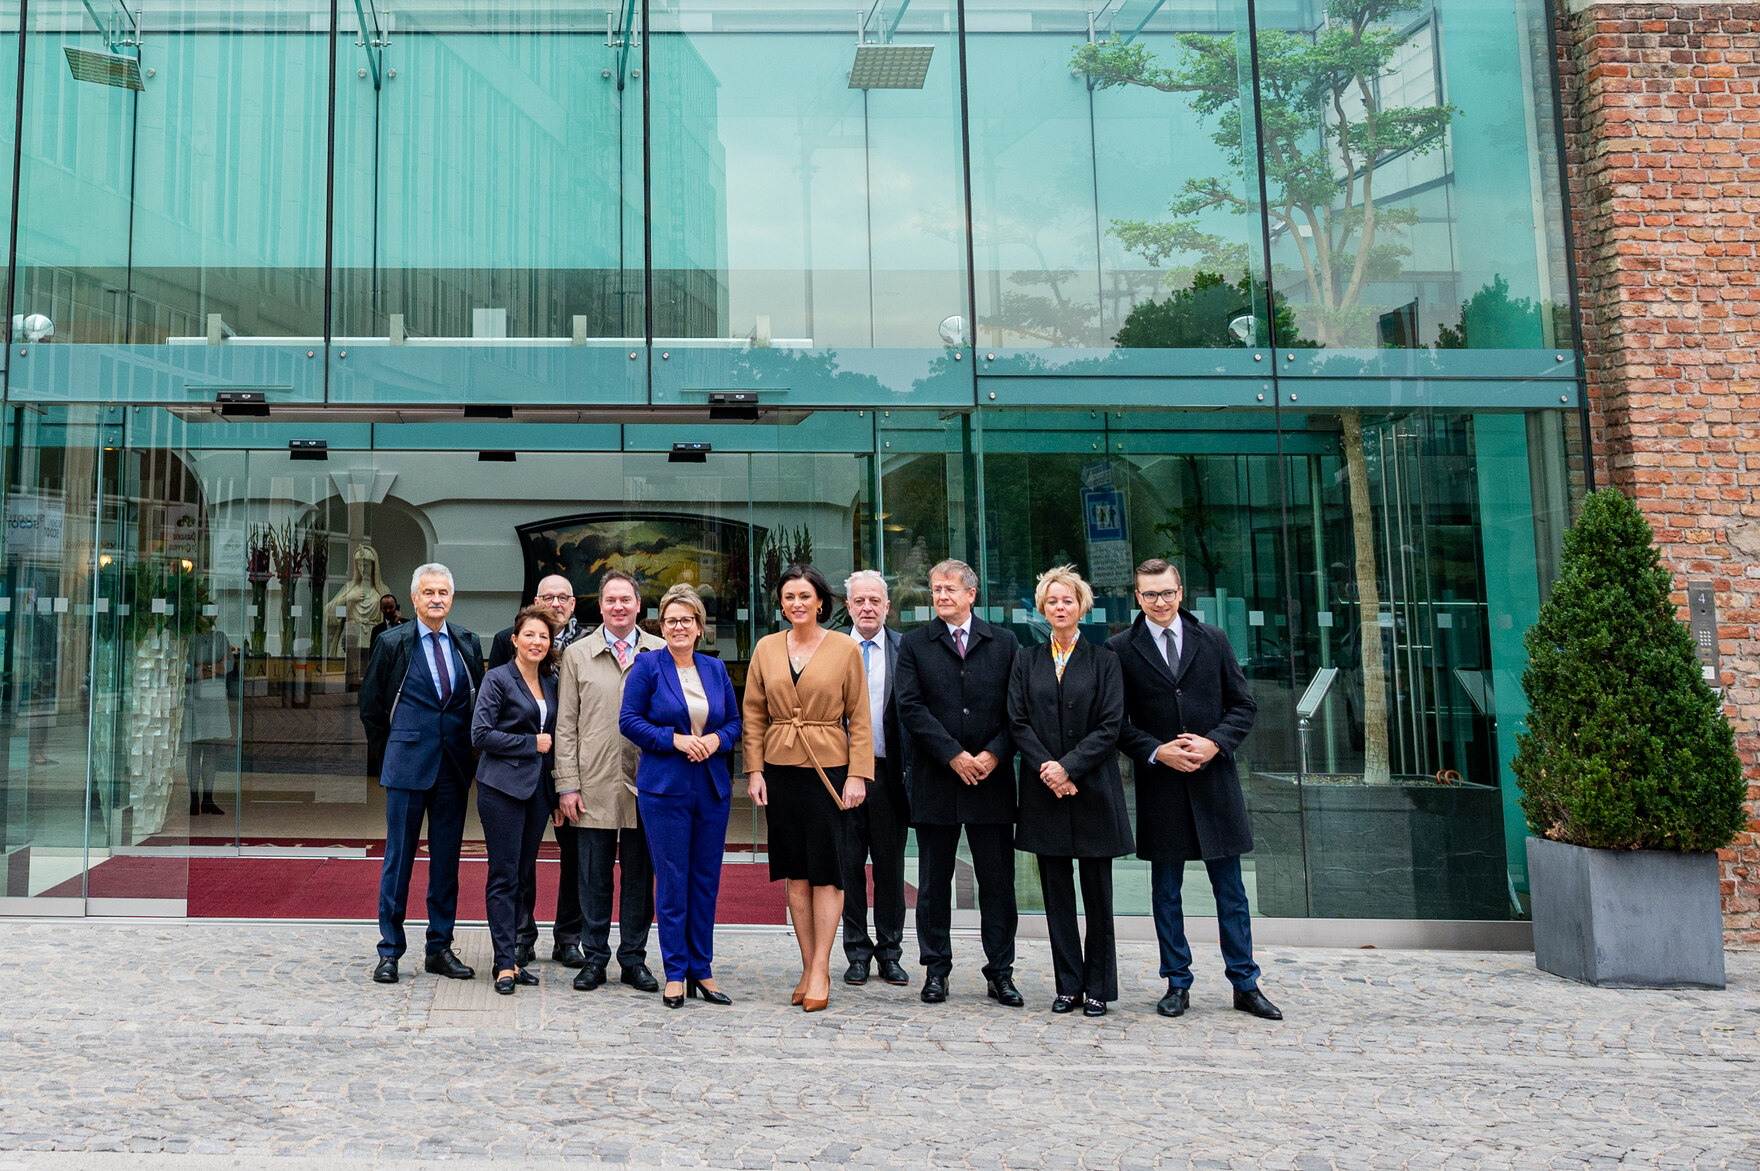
(892, 972)
(694, 989)
(639, 978)
(1175, 1002)
(525, 953)
(1003, 991)
(569, 955)
(521, 976)
(504, 985)
(386, 971)
(856, 973)
(1252, 1000)
(589, 977)
(1092, 1007)
(446, 963)
(934, 990)
(1065, 1004)
(208, 806)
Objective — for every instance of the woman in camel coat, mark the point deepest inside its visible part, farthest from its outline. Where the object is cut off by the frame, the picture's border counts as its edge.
(809, 754)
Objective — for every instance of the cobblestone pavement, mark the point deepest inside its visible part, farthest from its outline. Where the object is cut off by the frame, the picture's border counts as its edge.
(219, 1046)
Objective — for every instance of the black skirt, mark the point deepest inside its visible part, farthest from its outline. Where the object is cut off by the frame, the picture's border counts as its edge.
(806, 830)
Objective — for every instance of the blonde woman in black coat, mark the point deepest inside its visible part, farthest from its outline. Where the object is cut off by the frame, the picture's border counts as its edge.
(1065, 709)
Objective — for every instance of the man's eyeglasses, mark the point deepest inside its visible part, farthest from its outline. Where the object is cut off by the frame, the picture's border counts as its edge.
(948, 591)
(1158, 595)
(558, 599)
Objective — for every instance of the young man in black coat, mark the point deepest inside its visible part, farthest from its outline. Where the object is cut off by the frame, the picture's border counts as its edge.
(952, 695)
(1187, 709)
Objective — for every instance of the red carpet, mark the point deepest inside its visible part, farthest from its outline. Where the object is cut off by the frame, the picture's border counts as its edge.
(348, 888)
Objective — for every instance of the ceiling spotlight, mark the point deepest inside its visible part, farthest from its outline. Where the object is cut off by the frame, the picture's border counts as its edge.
(890, 66)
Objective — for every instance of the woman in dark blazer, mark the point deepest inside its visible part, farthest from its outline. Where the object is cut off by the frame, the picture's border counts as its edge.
(680, 710)
(512, 727)
(1065, 709)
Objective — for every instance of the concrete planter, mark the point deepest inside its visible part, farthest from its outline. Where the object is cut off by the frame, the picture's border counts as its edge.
(1626, 918)
(1409, 850)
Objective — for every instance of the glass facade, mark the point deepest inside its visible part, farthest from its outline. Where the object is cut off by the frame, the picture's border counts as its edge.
(305, 295)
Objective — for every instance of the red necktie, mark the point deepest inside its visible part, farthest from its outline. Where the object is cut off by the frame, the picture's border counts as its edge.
(959, 642)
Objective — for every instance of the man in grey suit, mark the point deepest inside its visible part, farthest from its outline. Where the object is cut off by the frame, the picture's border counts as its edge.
(878, 826)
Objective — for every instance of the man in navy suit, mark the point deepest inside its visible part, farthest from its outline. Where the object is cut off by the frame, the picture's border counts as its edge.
(879, 825)
(417, 697)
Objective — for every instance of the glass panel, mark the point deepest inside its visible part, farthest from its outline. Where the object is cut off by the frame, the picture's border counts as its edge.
(1411, 208)
(1105, 490)
(488, 205)
(1402, 525)
(174, 204)
(809, 228)
(46, 617)
(1115, 186)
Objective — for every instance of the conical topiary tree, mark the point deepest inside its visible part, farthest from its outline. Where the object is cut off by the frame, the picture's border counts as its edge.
(1627, 747)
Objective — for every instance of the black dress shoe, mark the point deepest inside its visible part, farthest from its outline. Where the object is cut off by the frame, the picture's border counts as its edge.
(569, 955)
(208, 806)
(446, 963)
(1252, 1000)
(638, 977)
(521, 976)
(1175, 1002)
(694, 988)
(504, 985)
(386, 971)
(1065, 1004)
(892, 972)
(525, 953)
(1092, 1007)
(1003, 991)
(589, 977)
(856, 973)
(934, 990)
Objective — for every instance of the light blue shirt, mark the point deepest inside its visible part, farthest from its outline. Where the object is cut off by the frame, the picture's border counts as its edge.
(1171, 640)
(439, 650)
(874, 660)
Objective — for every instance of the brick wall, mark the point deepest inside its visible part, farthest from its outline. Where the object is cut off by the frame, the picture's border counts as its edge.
(1661, 104)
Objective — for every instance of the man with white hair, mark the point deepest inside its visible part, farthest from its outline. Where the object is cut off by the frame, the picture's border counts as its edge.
(879, 825)
(416, 702)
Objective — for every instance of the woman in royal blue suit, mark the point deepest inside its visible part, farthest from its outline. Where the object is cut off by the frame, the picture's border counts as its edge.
(512, 727)
(680, 710)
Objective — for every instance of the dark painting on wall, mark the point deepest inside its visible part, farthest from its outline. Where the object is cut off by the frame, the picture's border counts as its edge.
(660, 549)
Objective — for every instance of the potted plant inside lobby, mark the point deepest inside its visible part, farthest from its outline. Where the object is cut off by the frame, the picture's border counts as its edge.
(1629, 773)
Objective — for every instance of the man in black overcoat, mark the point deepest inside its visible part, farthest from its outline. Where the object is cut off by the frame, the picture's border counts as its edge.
(952, 696)
(1187, 709)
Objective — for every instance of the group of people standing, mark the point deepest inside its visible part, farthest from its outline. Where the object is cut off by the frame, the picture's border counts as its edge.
(622, 741)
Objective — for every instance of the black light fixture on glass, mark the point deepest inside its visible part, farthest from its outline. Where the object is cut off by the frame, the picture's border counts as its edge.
(121, 31)
(689, 453)
(242, 404)
(882, 64)
(733, 406)
(496, 457)
(308, 449)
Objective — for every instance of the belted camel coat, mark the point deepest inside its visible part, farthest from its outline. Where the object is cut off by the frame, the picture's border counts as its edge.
(823, 718)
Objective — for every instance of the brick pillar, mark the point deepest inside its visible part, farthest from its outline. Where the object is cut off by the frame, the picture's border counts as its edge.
(1662, 133)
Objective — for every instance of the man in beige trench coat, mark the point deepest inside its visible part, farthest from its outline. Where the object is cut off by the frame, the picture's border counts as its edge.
(595, 786)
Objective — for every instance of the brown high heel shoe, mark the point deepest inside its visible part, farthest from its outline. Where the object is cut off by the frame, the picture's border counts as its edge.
(798, 995)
